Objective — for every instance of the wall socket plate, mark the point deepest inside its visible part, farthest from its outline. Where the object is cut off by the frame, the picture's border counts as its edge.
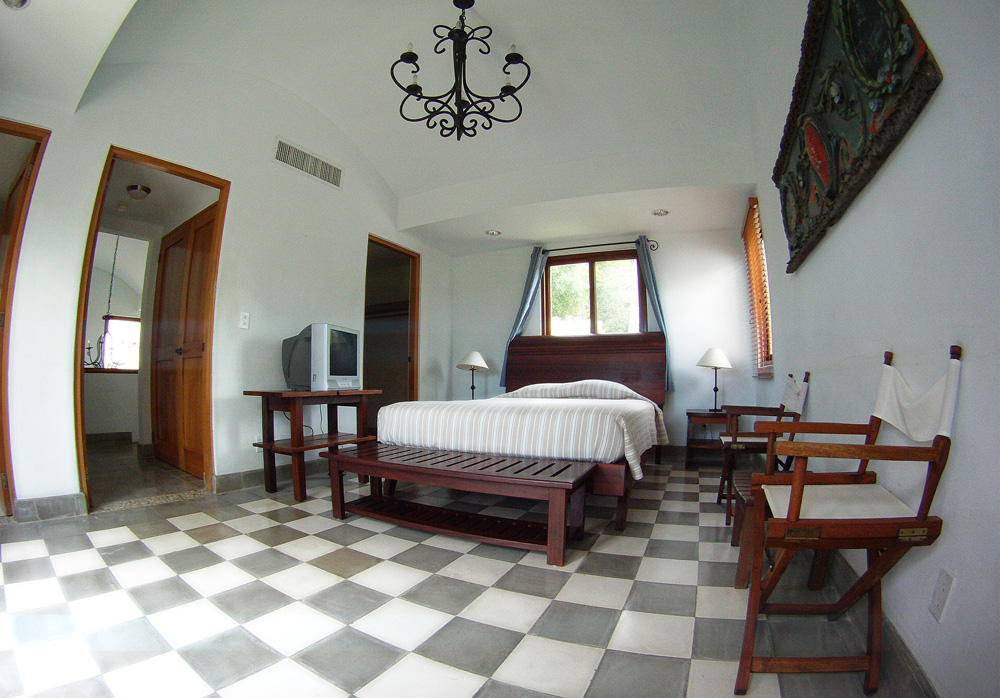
(942, 590)
(244, 321)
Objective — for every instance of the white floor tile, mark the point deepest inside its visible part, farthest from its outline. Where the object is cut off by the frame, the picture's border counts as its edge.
(620, 545)
(182, 625)
(679, 506)
(22, 550)
(478, 570)
(139, 572)
(666, 571)
(314, 506)
(313, 524)
(189, 521)
(592, 590)
(382, 546)
(718, 552)
(301, 581)
(401, 623)
(249, 524)
(308, 548)
(459, 545)
(163, 676)
(675, 532)
(574, 558)
(711, 679)
(276, 680)
(371, 524)
(75, 562)
(293, 628)
(170, 543)
(25, 596)
(418, 677)
(722, 602)
(45, 665)
(111, 536)
(103, 610)
(259, 506)
(236, 546)
(216, 579)
(506, 609)
(712, 519)
(549, 666)
(390, 577)
(653, 633)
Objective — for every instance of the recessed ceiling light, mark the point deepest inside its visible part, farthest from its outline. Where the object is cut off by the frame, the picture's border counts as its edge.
(137, 191)
(16, 4)
(660, 211)
(493, 233)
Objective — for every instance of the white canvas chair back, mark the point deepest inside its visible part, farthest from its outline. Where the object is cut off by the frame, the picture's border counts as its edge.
(794, 398)
(919, 417)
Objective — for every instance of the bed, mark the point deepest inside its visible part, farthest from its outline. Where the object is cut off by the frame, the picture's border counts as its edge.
(634, 361)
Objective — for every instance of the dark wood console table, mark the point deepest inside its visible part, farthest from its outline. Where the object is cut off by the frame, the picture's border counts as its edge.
(708, 418)
(292, 401)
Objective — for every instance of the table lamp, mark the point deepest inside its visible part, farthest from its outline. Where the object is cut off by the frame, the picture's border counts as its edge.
(715, 359)
(473, 361)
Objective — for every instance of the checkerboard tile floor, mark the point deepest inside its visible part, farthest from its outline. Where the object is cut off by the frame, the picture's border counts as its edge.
(250, 594)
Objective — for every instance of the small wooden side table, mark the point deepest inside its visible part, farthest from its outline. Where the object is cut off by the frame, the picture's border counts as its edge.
(710, 418)
(292, 401)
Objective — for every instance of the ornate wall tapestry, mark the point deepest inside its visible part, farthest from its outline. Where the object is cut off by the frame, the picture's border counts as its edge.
(864, 75)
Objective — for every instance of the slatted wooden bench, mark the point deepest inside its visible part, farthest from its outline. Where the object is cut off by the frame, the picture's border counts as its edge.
(560, 483)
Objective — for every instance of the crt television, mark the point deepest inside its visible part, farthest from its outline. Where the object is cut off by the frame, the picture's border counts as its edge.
(322, 357)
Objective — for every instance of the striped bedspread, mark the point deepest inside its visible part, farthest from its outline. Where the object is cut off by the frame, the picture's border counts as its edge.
(561, 421)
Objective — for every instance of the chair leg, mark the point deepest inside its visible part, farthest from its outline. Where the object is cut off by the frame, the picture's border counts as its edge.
(621, 512)
(726, 473)
(753, 549)
(749, 534)
(739, 509)
(874, 633)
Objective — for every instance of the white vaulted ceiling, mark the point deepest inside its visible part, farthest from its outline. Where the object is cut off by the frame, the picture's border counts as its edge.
(630, 102)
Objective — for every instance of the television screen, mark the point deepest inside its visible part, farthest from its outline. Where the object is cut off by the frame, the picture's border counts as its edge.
(343, 353)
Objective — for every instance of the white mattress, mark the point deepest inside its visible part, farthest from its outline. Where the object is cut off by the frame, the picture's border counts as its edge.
(570, 428)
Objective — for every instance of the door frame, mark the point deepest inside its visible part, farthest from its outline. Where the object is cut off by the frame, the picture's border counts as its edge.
(413, 314)
(41, 138)
(119, 153)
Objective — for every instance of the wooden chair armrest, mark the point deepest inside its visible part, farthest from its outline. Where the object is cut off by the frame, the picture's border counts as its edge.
(751, 410)
(810, 428)
(804, 449)
(851, 478)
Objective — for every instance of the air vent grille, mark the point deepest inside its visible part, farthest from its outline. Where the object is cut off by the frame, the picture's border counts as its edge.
(310, 164)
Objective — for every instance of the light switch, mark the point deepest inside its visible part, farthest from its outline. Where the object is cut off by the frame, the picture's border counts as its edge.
(244, 321)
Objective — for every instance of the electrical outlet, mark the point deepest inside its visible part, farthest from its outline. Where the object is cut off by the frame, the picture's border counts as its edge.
(244, 321)
(939, 599)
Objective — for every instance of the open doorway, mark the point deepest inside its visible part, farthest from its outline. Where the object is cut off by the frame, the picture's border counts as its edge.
(21, 149)
(392, 288)
(144, 333)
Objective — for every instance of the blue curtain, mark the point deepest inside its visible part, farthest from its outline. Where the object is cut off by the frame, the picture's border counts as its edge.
(536, 267)
(646, 268)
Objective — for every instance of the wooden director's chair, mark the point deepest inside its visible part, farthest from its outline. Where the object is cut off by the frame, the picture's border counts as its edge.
(824, 511)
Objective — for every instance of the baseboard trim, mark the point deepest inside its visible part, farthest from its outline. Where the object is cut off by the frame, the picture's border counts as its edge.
(45, 508)
(231, 482)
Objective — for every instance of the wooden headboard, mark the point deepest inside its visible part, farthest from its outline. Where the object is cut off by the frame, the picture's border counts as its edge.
(635, 360)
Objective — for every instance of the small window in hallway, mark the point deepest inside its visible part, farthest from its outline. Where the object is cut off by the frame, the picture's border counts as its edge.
(760, 299)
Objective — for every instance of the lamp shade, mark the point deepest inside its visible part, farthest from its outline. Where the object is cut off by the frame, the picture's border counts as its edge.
(714, 358)
(473, 361)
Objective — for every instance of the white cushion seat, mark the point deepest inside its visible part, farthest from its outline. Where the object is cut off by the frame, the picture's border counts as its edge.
(839, 502)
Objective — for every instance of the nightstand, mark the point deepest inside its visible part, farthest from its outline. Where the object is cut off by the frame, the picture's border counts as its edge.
(709, 418)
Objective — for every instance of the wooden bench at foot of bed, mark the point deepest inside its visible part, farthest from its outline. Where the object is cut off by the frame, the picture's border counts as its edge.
(560, 483)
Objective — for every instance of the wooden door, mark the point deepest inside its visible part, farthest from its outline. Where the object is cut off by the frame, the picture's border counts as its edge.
(11, 224)
(184, 279)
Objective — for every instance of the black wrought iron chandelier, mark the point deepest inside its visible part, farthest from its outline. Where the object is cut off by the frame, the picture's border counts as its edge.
(460, 111)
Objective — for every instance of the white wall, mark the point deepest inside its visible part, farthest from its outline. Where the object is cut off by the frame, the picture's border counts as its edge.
(911, 268)
(702, 281)
(293, 249)
(111, 403)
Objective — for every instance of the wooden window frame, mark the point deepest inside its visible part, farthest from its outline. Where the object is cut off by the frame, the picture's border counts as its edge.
(591, 258)
(759, 290)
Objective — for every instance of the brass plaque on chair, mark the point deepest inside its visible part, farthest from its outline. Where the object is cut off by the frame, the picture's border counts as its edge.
(802, 534)
(912, 535)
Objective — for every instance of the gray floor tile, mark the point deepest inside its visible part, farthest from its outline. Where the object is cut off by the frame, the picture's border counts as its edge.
(27, 570)
(125, 644)
(349, 659)
(627, 675)
(714, 534)
(265, 562)
(151, 529)
(632, 528)
(277, 535)
(346, 534)
(191, 559)
(470, 646)
(672, 549)
(717, 638)
(444, 593)
(679, 518)
(347, 601)
(67, 544)
(125, 552)
(496, 689)
(409, 534)
(608, 565)
(496, 552)
(570, 622)
(669, 599)
(426, 557)
(212, 533)
(86, 584)
(164, 594)
(249, 601)
(228, 657)
(716, 574)
(345, 562)
(533, 580)
(286, 514)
